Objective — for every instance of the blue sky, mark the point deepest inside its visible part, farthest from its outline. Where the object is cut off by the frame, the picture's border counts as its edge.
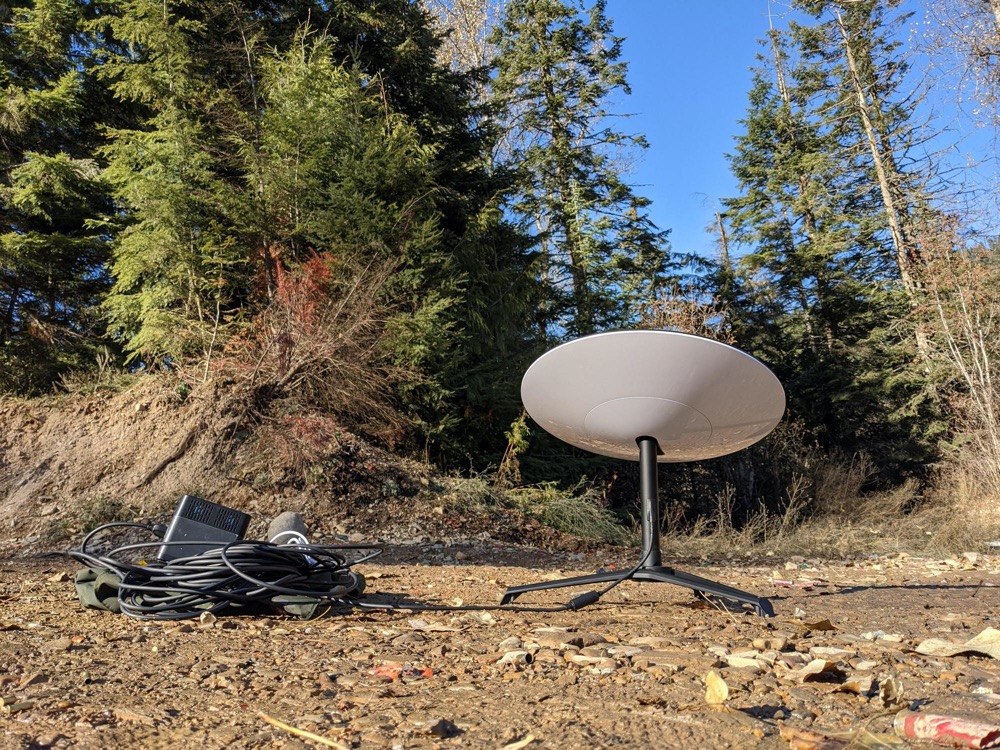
(689, 68)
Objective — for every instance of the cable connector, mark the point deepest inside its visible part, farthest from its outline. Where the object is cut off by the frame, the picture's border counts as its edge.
(583, 600)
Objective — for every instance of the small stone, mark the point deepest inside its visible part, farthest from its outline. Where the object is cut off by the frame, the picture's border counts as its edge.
(558, 640)
(407, 639)
(591, 639)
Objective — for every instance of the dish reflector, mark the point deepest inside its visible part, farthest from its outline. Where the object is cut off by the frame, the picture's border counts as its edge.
(699, 398)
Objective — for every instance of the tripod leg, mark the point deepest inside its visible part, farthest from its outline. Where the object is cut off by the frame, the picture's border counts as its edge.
(604, 577)
(705, 587)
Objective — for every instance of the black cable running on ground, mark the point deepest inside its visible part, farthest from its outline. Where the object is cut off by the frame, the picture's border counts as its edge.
(255, 576)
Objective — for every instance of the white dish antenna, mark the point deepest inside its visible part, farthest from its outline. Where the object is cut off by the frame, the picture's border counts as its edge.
(697, 397)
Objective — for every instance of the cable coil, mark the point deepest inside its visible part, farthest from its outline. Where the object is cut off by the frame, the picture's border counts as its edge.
(254, 575)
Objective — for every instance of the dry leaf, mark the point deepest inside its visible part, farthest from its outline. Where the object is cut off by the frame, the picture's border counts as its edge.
(521, 743)
(890, 692)
(805, 739)
(716, 689)
(821, 625)
(818, 670)
(857, 685)
(986, 643)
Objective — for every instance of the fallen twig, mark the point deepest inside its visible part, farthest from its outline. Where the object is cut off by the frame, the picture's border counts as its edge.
(301, 732)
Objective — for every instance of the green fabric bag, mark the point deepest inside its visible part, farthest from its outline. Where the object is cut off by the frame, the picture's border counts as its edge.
(97, 588)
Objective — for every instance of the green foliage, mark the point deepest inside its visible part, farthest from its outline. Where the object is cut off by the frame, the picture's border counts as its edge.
(52, 253)
(578, 511)
(601, 257)
(818, 292)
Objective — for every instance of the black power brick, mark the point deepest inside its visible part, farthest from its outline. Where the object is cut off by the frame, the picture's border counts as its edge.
(204, 524)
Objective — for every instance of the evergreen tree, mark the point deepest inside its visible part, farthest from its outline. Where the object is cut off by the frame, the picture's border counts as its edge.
(176, 263)
(819, 294)
(864, 95)
(601, 258)
(52, 252)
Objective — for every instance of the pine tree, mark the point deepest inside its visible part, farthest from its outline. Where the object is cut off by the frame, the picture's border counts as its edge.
(820, 295)
(52, 250)
(601, 258)
(176, 262)
(875, 118)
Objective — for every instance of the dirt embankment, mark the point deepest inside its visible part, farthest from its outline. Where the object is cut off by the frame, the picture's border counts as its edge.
(70, 462)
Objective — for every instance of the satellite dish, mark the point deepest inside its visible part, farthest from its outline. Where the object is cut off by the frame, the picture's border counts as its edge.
(697, 397)
(651, 396)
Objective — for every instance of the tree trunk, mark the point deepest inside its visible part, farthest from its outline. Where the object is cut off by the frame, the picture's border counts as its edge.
(906, 256)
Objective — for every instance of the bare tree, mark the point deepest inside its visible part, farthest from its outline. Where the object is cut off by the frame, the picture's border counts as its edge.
(467, 24)
(962, 39)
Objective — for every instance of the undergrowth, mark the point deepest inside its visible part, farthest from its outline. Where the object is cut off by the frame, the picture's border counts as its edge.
(827, 514)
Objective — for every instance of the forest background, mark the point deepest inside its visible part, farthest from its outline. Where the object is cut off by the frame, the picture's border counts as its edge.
(372, 215)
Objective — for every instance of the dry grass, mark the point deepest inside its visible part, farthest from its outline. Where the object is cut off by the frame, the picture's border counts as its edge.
(579, 512)
(829, 514)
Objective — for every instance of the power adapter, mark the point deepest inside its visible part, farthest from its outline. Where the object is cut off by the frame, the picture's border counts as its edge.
(204, 525)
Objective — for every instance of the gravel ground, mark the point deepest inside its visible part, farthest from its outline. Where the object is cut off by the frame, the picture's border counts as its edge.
(838, 660)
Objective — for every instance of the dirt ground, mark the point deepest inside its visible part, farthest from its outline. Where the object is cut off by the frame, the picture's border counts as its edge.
(629, 671)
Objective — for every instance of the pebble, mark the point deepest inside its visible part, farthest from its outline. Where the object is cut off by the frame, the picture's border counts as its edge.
(557, 640)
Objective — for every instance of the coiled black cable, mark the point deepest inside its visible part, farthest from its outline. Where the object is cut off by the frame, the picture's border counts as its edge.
(253, 575)
(256, 576)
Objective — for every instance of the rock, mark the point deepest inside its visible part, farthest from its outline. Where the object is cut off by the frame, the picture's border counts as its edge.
(744, 662)
(591, 639)
(558, 640)
(407, 639)
(831, 653)
(777, 643)
(510, 644)
(444, 729)
(626, 651)
(650, 641)
(585, 661)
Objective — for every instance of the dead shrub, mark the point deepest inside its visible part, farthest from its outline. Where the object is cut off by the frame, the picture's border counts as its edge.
(686, 310)
(318, 345)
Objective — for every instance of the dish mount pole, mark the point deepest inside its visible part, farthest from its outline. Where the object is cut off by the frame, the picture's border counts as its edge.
(649, 499)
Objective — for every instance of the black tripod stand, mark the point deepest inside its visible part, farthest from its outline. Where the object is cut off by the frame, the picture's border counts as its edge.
(649, 567)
